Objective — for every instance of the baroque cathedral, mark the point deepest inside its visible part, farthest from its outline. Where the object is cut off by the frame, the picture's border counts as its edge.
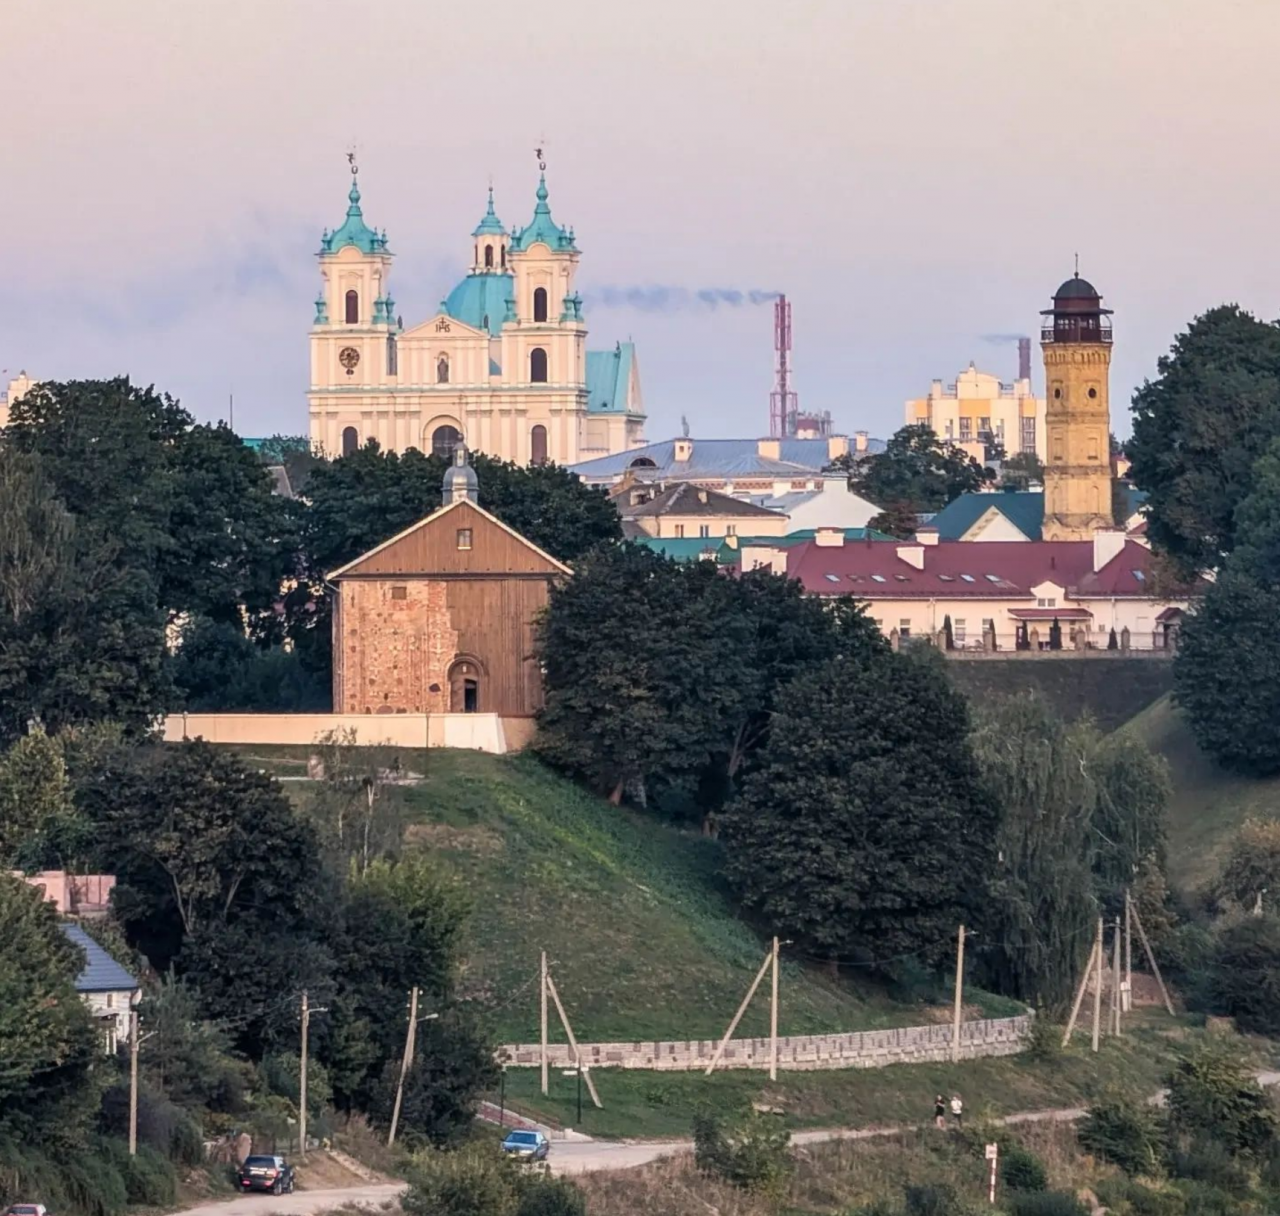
(502, 368)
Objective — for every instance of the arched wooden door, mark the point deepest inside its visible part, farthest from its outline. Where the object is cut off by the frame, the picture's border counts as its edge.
(464, 687)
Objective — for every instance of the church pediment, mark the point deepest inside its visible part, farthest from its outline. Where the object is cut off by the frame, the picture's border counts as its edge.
(442, 327)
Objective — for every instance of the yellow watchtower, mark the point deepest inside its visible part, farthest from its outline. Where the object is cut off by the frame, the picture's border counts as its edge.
(1076, 339)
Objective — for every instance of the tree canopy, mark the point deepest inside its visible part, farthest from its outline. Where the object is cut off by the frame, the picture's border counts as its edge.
(862, 830)
(1199, 428)
(919, 469)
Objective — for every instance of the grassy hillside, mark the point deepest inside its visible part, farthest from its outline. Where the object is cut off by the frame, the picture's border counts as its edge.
(641, 934)
(1208, 805)
(1111, 690)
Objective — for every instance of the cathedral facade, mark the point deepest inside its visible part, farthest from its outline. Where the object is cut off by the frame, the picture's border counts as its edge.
(502, 367)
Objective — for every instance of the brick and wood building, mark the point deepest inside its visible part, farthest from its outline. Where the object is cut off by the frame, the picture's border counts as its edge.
(440, 618)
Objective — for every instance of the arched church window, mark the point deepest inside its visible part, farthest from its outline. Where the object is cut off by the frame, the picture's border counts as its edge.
(504, 257)
(444, 441)
(538, 365)
(353, 308)
(442, 370)
(540, 304)
(350, 440)
(488, 257)
(538, 445)
(485, 323)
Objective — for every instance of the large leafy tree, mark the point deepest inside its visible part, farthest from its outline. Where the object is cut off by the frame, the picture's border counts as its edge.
(1199, 428)
(919, 469)
(1019, 471)
(862, 829)
(39, 824)
(81, 637)
(48, 1044)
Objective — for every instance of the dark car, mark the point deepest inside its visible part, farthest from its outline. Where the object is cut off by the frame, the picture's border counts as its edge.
(272, 1174)
(528, 1146)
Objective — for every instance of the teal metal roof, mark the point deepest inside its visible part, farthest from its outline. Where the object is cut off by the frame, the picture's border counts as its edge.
(1022, 508)
(608, 375)
(542, 229)
(682, 548)
(688, 549)
(481, 296)
(354, 230)
(491, 224)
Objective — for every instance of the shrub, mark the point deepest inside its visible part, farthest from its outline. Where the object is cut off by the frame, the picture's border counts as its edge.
(1246, 978)
(1123, 1132)
(1213, 1096)
(933, 1199)
(1022, 1170)
(749, 1150)
(1202, 1160)
(473, 1181)
(1044, 1203)
(1044, 1043)
(1129, 1195)
(545, 1196)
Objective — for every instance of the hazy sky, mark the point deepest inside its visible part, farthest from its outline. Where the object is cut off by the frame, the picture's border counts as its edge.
(914, 174)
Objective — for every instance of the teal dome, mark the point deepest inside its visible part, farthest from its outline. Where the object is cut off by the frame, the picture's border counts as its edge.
(490, 225)
(354, 230)
(542, 229)
(480, 301)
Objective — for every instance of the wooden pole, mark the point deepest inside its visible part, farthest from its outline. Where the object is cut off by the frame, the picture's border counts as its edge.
(1075, 1007)
(1115, 979)
(544, 1023)
(133, 1083)
(302, 1082)
(583, 1070)
(404, 1064)
(773, 1018)
(1097, 986)
(1151, 958)
(737, 1017)
(959, 1001)
(1128, 944)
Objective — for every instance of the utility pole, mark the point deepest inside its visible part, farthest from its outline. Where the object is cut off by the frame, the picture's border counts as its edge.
(773, 1019)
(544, 1023)
(1075, 1005)
(737, 1017)
(405, 1061)
(302, 1081)
(1098, 950)
(1128, 950)
(1151, 958)
(959, 1006)
(133, 1082)
(1115, 979)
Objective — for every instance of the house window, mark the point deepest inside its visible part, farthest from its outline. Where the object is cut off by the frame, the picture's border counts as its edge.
(111, 1000)
(353, 308)
(1028, 434)
(988, 626)
(958, 630)
(488, 257)
(540, 304)
(350, 440)
(704, 529)
(984, 426)
(538, 365)
(966, 429)
(1047, 603)
(680, 531)
(442, 370)
(904, 627)
(538, 445)
(464, 538)
(399, 593)
(731, 529)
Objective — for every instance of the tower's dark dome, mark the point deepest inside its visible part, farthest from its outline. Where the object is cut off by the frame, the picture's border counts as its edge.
(1076, 288)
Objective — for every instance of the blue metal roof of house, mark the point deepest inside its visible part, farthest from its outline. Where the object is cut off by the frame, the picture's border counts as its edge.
(101, 973)
(608, 374)
(1022, 508)
(354, 230)
(480, 301)
(719, 458)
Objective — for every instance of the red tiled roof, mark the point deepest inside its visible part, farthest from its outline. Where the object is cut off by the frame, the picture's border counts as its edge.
(968, 570)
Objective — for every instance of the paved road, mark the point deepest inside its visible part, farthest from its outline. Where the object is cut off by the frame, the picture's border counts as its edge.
(300, 1203)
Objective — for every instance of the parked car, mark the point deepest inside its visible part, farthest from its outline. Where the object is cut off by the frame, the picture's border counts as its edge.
(25, 1209)
(272, 1174)
(528, 1146)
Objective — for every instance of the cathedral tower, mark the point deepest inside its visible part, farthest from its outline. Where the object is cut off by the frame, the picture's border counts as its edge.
(1076, 339)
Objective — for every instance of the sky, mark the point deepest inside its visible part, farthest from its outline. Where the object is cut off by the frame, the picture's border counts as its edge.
(916, 175)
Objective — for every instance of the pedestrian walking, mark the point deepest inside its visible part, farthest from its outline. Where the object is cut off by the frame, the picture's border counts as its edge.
(939, 1111)
(957, 1109)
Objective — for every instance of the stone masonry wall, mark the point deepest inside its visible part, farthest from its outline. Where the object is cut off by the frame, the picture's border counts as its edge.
(860, 1049)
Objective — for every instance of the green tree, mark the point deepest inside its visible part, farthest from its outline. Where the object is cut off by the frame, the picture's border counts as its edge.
(474, 1181)
(1199, 428)
(862, 829)
(1246, 974)
(1213, 1095)
(1251, 872)
(1021, 470)
(38, 819)
(49, 1046)
(1125, 1132)
(917, 467)
(296, 454)
(748, 1149)
(1227, 673)
(452, 1066)
(898, 519)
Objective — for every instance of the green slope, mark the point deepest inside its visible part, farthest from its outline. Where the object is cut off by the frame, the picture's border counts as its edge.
(641, 934)
(1208, 804)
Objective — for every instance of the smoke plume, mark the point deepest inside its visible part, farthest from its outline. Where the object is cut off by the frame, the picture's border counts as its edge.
(675, 299)
(1003, 339)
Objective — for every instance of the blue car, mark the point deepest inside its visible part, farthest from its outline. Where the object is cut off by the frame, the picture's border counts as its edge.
(528, 1146)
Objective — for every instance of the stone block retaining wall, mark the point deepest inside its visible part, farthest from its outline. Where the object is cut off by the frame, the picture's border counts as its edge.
(860, 1049)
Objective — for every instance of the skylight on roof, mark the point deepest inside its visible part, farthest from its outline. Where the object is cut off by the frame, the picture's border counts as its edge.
(1140, 576)
(947, 578)
(879, 578)
(833, 578)
(902, 578)
(992, 578)
(968, 578)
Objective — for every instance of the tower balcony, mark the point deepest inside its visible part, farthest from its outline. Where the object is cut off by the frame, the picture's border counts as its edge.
(1069, 330)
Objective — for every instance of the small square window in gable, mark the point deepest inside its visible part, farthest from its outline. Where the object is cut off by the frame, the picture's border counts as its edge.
(464, 538)
(399, 593)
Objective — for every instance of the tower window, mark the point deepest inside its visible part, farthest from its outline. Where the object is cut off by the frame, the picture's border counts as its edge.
(1057, 394)
(350, 440)
(504, 257)
(538, 445)
(488, 257)
(538, 365)
(540, 304)
(442, 370)
(1093, 392)
(393, 356)
(485, 323)
(353, 308)
(444, 441)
